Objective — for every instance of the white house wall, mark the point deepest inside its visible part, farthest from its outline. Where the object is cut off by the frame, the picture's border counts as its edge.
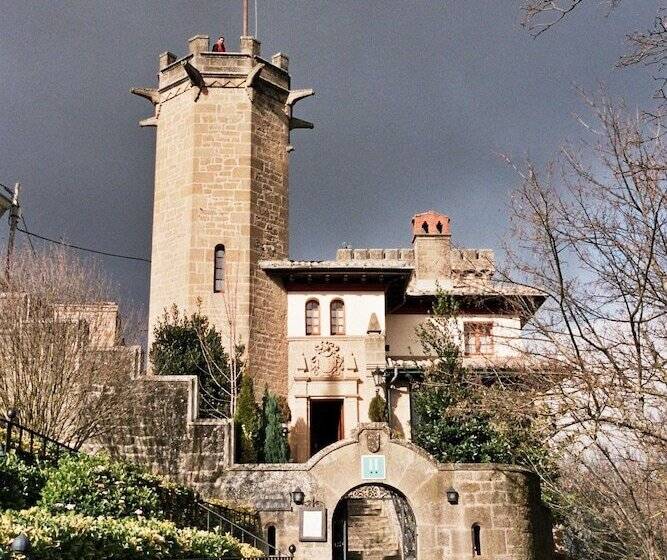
(401, 333)
(358, 309)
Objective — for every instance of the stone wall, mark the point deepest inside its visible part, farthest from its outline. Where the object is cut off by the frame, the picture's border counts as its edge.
(158, 428)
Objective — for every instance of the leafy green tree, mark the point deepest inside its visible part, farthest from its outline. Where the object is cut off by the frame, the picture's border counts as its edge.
(452, 422)
(276, 449)
(248, 423)
(189, 345)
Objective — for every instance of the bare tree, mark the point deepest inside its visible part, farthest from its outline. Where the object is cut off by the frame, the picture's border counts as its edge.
(590, 231)
(63, 365)
(645, 47)
(540, 16)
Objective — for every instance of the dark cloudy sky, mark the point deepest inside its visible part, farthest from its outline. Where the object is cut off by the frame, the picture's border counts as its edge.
(413, 102)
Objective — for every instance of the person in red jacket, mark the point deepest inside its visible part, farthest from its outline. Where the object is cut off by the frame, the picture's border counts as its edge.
(219, 45)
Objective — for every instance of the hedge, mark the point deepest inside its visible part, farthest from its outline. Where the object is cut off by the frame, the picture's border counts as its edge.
(20, 483)
(99, 486)
(76, 537)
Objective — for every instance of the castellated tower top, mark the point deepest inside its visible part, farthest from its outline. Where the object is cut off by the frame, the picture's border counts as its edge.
(229, 65)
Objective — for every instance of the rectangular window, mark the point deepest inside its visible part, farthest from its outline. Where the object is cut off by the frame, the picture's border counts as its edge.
(478, 339)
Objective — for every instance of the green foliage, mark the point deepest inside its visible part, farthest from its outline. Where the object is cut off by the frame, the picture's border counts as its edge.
(451, 423)
(248, 423)
(189, 345)
(74, 536)
(377, 409)
(20, 483)
(99, 486)
(276, 449)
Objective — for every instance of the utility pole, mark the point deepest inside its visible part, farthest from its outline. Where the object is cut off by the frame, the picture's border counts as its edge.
(14, 215)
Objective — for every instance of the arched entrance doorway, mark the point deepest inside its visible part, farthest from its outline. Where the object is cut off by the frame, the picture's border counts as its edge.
(374, 522)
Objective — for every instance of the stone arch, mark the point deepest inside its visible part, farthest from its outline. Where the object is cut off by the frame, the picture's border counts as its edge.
(393, 527)
(410, 472)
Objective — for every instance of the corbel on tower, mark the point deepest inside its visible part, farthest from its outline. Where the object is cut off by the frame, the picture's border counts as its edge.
(252, 80)
(292, 98)
(153, 96)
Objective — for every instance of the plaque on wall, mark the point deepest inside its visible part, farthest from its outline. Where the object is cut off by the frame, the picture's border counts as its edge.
(313, 524)
(373, 467)
(275, 502)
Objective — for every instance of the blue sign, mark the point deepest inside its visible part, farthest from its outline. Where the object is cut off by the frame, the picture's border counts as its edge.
(373, 467)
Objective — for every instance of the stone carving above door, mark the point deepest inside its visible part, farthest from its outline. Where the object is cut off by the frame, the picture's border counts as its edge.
(373, 440)
(327, 361)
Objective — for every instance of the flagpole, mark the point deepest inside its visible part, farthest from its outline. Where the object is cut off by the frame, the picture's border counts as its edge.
(245, 18)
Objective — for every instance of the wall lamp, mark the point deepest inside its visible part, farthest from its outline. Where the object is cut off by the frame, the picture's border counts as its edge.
(452, 496)
(298, 497)
(21, 545)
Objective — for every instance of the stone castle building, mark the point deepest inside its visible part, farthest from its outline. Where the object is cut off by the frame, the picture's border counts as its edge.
(326, 334)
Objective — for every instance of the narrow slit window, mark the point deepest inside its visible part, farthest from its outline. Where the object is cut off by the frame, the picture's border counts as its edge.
(337, 310)
(312, 317)
(476, 540)
(219, 269)
(271, 539)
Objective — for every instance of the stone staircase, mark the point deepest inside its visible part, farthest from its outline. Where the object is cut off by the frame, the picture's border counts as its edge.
(373, 530)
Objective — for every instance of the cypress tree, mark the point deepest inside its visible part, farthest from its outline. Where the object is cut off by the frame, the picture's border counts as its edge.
(276, 449)
(247, 423)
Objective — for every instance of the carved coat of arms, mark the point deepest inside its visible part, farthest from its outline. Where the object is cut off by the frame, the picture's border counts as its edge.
(373, 441)
(327, 360)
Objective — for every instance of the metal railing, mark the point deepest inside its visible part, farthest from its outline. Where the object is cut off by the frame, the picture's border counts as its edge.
(215, 521)
(29, 443)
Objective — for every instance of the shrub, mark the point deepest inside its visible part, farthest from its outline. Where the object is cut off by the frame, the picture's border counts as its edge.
(189, 345)
(99, 486)
(73, 537)
(377, 409)
(450, 418)
(276, 449)
(20, 483)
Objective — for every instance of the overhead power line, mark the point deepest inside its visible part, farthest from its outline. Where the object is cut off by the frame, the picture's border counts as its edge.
(79, 248)
(25, 225)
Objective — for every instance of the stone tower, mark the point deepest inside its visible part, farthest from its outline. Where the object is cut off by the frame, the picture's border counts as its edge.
(221, 188)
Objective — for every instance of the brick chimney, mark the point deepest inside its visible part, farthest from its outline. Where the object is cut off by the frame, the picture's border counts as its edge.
(432, 242)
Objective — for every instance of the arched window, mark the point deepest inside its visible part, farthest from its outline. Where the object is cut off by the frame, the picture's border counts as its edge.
(476, 540)
(312, 317)
(337, 312)
(219, 269)
(271, 539)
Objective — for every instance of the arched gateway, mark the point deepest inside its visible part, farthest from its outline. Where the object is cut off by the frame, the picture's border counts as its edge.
(376, 497)
(374, 522)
